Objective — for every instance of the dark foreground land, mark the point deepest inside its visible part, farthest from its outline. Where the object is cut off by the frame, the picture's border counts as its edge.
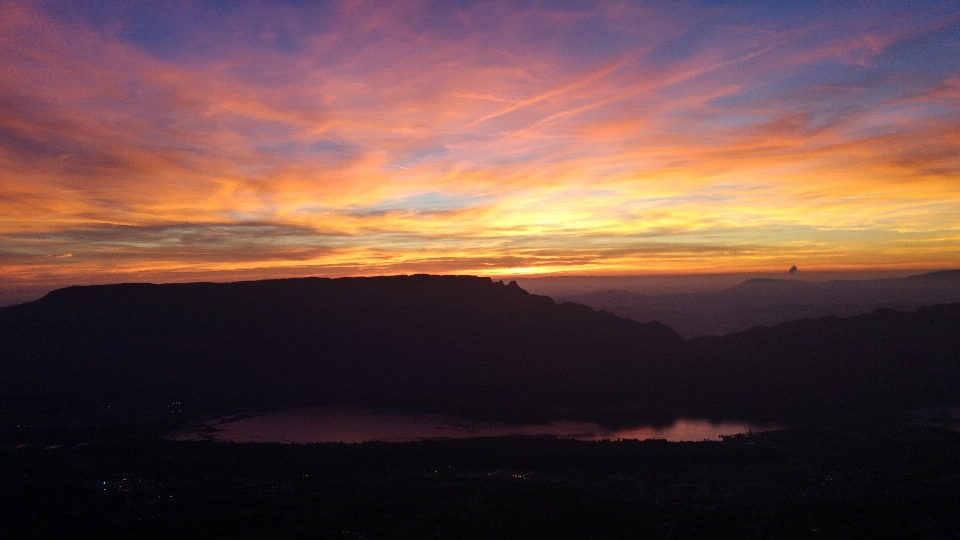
(853, 480)
(458, 345)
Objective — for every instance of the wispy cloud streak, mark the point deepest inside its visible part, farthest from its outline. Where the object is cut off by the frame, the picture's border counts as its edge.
(182, 140)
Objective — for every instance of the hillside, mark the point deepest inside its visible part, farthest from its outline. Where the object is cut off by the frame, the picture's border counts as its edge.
(882, 362)
(767, 302)
(452, 344)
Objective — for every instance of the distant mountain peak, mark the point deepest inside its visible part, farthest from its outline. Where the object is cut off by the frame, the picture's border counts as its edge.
(772, 282)
(940, 274)
(764, 280)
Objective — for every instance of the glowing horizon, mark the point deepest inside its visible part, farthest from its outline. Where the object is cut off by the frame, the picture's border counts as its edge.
(269, 139)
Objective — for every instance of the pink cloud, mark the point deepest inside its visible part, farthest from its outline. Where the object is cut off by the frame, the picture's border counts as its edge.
(585, 145)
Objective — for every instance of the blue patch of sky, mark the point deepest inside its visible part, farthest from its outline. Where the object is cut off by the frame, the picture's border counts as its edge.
(433, 201)
(925, 59)
(679, 47)
(721, 24)
(329, 146)
(824, 90)
(286, 43)
(592, 40)
(589, 37)
(277, 148)
(791, 14)
(170, 29)
(558, 5)
(153, 26)
(321, 148)
(441, 19)
(420, 155)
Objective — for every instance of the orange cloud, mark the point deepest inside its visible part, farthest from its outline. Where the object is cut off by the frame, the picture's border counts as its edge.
(399, 137)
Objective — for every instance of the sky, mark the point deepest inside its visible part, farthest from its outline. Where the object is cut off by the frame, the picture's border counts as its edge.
(180, 141)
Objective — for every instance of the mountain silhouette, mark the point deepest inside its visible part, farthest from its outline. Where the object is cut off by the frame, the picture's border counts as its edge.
(767, 302)
(453, 344)
(883, 362)
(443, 343)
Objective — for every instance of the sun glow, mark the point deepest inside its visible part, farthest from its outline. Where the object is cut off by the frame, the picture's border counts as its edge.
(360, 138)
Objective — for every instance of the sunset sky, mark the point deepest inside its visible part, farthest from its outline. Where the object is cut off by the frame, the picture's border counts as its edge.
(174, 141)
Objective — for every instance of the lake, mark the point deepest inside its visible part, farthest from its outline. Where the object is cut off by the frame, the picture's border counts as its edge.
(352, 425)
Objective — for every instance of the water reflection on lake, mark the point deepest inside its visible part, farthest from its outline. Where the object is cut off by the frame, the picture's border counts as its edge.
(350, 425)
